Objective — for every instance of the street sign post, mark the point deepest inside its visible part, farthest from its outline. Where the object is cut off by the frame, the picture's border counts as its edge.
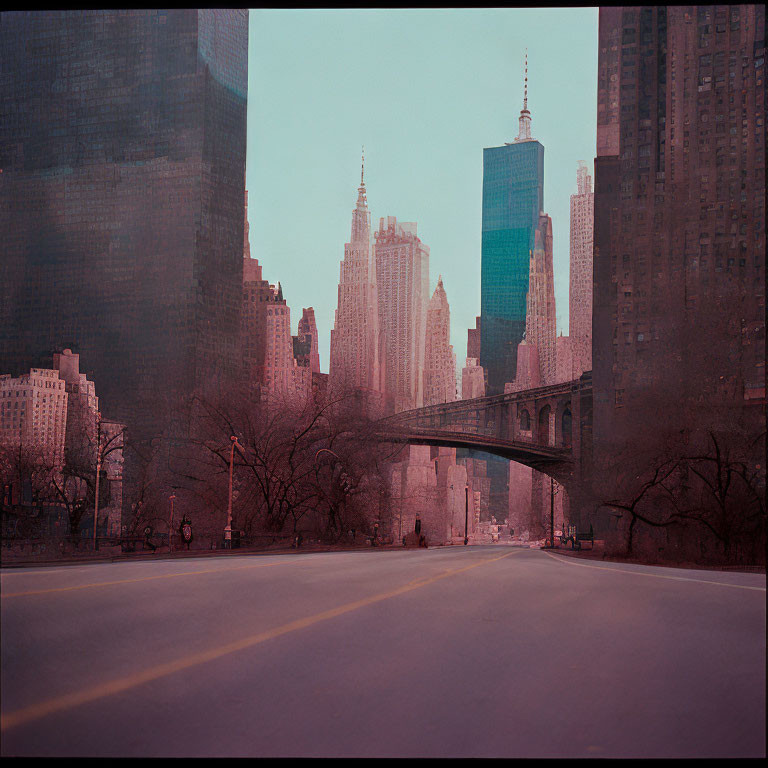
(185, 529)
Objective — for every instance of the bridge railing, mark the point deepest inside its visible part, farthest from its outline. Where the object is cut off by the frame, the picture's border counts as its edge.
(540, 452)
(494, 401)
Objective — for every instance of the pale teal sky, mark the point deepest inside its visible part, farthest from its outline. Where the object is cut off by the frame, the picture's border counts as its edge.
(425, 91)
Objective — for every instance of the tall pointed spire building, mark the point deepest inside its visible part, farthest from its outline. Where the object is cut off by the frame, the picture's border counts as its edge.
(513, 198)
(439, 358)
(540, 312)
(355, 335)
(581, 273)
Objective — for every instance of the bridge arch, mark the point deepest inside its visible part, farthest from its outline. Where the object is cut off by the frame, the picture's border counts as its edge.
(543, 431)
(566, 427)
(496, 424)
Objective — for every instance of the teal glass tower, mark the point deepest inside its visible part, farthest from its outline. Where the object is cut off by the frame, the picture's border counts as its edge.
(513, 197)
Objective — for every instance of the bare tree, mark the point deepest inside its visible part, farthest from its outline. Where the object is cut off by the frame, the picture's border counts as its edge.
(705, 485)
(27, 478)
(298, 461)
(87, 447)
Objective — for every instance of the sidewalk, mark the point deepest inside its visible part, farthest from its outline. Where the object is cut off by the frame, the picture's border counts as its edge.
(18, 560)
(599, 554)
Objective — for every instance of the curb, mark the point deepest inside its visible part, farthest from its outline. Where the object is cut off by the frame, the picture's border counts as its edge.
(144, 557)
(759, 569)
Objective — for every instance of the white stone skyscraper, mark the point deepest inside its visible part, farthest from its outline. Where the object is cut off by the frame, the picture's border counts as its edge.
(540, 310)
(439, 358)
(355, 335)
(278, 358)
(580, 287)
(402, 283)
(33, 413)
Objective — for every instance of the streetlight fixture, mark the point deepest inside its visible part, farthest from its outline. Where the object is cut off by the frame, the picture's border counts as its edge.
(328, 450)
(228, 529)
(552, 493)
(98, 477)
(466, 515)
(170, 525)
(552, 512)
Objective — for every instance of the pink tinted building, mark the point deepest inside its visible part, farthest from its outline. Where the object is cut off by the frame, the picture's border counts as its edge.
(431, 484)
(580, 285)
(33, 413)
(472, 379)
(402, 283)
(473, 374)
(265, 332)
(279, 379)
(564, 359)
(537, 352)
(246, 231)
(528, 368)
(473, 340)
(89, 433)
(83, 405)
(258, 296)
(540, 308)
(439, 358)
(355, 335)
(305, 342)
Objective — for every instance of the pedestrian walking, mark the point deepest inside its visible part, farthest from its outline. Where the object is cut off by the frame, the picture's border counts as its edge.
(417, 525)
(147, 542)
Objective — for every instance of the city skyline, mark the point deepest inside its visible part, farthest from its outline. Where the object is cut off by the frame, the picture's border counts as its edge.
(302, 169)
(190, 504)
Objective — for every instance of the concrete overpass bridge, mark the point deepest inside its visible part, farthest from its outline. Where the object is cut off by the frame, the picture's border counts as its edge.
(547, 428)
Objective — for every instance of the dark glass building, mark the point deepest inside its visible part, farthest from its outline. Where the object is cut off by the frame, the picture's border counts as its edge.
(122, 149)
(513, 197)
(679, 243)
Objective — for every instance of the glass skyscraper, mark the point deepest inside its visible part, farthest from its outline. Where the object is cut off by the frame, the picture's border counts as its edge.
(122, 149)
(513, 197)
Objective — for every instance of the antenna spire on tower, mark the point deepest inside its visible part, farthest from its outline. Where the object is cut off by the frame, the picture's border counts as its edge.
(362, 168)
(525, 99)
(524, 132)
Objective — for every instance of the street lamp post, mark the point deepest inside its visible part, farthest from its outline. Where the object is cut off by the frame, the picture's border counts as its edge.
(228, 529)
(552, 512)
(466, 515)
(98, 477)
(170, 525)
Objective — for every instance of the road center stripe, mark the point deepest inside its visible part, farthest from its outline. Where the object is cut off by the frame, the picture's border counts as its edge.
(70, 700)
(567, 561)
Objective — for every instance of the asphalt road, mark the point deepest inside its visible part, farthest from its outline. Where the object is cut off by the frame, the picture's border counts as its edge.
(451, 652)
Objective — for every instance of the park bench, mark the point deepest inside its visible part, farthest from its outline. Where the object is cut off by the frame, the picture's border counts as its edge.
(576, 538)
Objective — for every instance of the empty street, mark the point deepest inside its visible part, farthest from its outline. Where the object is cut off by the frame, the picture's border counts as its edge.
(450, 652)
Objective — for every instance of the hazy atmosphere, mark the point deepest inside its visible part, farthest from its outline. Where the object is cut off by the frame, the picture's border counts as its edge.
(267, 489)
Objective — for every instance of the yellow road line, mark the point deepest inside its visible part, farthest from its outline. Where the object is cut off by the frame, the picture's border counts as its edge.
(70, 700)
(567, 561)
(45, 572)
(145, 578)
